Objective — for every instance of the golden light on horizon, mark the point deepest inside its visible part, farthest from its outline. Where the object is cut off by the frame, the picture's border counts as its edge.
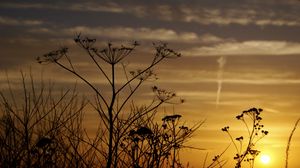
(265, 159)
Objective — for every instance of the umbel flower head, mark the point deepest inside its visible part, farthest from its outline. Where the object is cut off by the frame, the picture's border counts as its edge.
(110, 54)
(171, 117)
(52, 56)
(162, 50)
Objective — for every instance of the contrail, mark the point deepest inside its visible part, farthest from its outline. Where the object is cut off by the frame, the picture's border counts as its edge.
(221, 61)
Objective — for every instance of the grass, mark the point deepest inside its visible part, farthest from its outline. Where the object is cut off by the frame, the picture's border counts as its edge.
(289, 143)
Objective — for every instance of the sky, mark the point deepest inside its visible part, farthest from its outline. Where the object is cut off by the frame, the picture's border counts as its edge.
(236, 54)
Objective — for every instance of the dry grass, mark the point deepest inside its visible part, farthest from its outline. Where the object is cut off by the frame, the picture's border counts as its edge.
(289, 143)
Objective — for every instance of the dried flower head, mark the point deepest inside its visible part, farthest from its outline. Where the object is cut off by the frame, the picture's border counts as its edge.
(52, 56)
(163, 51)
(162, 94)
(171, 117)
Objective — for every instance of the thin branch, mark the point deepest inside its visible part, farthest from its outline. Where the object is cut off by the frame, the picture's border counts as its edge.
(83, 79)
(143, 71)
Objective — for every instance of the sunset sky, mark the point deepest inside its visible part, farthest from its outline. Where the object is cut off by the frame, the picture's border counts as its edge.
(237, 54)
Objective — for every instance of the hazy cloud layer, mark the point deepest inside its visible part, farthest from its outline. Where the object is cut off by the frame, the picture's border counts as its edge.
(260, 13)
(19, 22)
(271, 48)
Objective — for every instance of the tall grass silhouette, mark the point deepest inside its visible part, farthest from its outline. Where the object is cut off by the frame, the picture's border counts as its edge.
(289, 143)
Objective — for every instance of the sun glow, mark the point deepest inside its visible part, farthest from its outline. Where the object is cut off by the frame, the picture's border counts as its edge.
(265, 159)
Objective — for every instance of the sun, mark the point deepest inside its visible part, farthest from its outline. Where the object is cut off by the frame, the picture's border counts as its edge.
(265, 159)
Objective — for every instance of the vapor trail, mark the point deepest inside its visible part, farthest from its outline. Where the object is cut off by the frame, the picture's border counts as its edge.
(221, 62)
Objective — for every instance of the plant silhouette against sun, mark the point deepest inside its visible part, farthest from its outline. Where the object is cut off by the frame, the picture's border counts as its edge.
(245, 147)
(118, 113)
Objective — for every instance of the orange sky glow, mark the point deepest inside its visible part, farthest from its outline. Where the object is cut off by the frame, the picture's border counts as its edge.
(235, 55)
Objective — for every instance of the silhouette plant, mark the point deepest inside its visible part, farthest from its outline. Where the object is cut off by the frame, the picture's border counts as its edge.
(117, 112)
(216, 161)
(158, 145)
(289, 143)
(245, 147)
(37, 129)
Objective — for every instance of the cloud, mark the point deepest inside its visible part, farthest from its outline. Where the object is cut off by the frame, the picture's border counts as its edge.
(279, 22)
(239, 81)
(210, 38)
(135, 33)
(144, 33)
(210, 16)
(165, 12)
(18, 22)
(279, 2)
(27, 5)
(223, 15)
(83, 6)
(212, 95)
(261, 77)
(129, 33)
(271, 110)
(109, 7)
(259, 17)
(249, 13)
(96, 7)
(246, 48)
(267, 81)
(221, 62)
(26, 41)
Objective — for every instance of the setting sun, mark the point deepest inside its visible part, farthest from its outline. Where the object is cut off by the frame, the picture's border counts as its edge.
(265, 159)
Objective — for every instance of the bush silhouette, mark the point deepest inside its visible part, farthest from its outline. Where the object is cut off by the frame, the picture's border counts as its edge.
(39, 128)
